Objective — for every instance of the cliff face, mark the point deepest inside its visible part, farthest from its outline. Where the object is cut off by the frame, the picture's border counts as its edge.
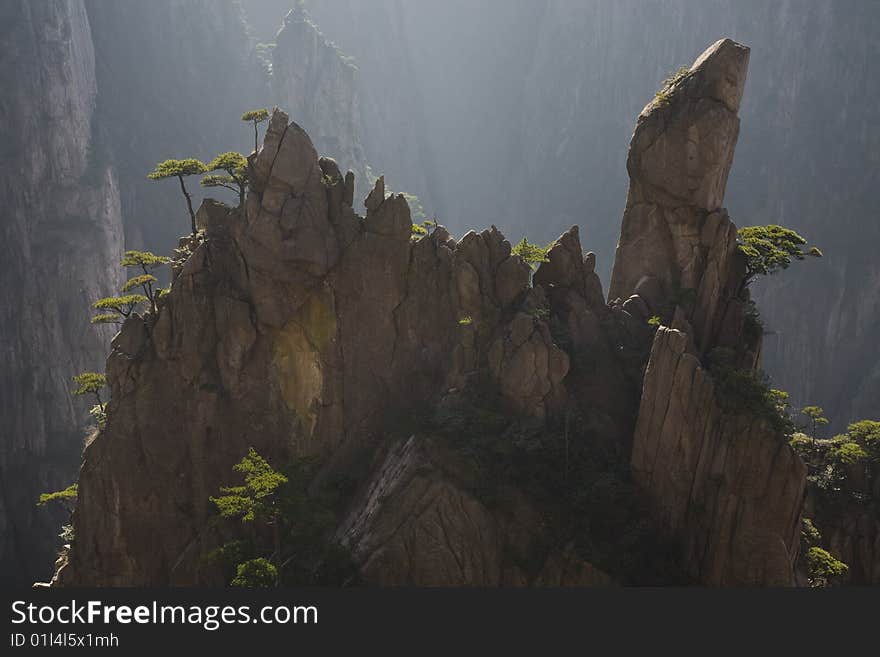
(318, 85)
(302, 329)
(61, 227)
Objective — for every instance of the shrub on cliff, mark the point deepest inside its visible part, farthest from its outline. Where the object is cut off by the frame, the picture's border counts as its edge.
(91, 383)
(744, 391)
(770, 249)
(282, 537)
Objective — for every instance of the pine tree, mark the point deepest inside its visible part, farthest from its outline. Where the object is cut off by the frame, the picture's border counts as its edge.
(180, 169)
(256, 117)
(236, 178)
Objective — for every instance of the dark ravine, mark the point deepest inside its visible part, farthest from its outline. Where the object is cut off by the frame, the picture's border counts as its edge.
(301, 328)
(62, 232)
(99, 92)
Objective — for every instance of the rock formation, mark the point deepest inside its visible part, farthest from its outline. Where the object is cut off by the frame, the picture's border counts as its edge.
(62, 234)
(428, 367)
(730, 485)
(541, 95)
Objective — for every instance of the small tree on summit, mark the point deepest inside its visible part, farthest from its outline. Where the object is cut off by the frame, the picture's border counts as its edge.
(256, 117)
(533, 254)
(236, 178)
(180, 169)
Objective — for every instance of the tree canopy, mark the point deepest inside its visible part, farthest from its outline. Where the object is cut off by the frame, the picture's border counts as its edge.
(169, 168)
(252, 501)
(143, 259)
(236, 178)
(89, 382)
(229, 161)
(769, 249)
(124, 305)
(256, 117)
(180, 169)
(531, 253)
(67, 495)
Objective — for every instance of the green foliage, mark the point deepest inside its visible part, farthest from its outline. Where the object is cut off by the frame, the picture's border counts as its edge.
(256, 116)
(664, 95)
(846, 452)
(809, 534)
(143, 259)
(255, 573)
(89, 383)
(531, 253)
(179, 168)
(67, 495)
(139, 281)
(418, 232)
(219, 181)
(236, 178)
(747, 392)
(867, 433)
(842, 469)
(107, 318)
(92, 383)
(229, 161)
(824, 570)
(467, 320)
(123, 305)
(654, 321)
(769, 249)
(285, 525)
(254, 500)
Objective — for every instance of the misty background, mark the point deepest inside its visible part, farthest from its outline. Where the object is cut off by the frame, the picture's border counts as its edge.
(516, 114)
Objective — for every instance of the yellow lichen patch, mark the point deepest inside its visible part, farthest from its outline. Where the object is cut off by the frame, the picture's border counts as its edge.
(297, 359)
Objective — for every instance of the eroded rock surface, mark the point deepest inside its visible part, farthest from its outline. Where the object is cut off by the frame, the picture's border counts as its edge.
(728, 485)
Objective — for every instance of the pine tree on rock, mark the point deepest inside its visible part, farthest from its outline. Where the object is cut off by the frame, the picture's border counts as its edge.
(180, 169)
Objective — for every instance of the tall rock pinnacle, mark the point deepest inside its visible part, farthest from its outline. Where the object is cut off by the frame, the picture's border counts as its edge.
(676, 240)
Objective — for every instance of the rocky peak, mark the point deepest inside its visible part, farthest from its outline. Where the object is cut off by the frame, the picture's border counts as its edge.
(677, 245)
(300, 328)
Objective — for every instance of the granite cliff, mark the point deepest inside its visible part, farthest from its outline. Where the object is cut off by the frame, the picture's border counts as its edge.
(62, 232)
(497, 426)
